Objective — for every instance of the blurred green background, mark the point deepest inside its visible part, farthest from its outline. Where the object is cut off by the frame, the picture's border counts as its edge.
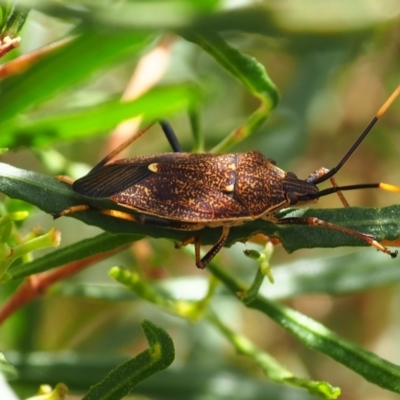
(334, 64)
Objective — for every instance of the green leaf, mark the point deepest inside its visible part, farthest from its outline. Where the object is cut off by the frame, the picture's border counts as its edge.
(49, 239)
(120, 381)
(129, 16)
(190, 381)
(7, 369)
(380, 223)
(100, 244)
(190, 310)
(15, 21)
(244, 68)
(53, 73)
(335, 275)
(270, 366)
(44, 130)
(6, 226)
(248, 71)
(317, 337)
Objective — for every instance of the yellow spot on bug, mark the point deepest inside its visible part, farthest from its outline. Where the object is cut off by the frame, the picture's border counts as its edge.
(153, 167)
(229, 188)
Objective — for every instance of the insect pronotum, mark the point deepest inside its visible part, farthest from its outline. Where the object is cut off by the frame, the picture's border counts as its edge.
(188, 191)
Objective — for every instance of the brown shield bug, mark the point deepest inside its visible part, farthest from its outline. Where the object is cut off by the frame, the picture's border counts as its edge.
(188, 191)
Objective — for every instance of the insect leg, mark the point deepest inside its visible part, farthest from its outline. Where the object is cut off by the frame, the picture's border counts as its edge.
(85, 207)
(71, 210)
(191, 240)
(121, 147)
(312, 221)
(105, 160)
(65, 179)
(213, 251)
(150, 220)
(138, 218)
(339, 193)
(203, 262)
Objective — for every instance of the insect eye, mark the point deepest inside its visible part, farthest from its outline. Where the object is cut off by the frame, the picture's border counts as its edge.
(292, 198)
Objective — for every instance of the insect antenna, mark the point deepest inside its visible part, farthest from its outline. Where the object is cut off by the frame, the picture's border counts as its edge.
(121, 147)
(171, 136)
(334, 170)
(335, 189)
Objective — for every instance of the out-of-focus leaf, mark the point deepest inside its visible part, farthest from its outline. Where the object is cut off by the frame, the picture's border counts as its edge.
(120, 381)
(44, 130)
(6, 368)
(337, 275)
(99, 244)
(270, 366)
(189, 381)
(64, 67)
(316, 336)
(248, 71)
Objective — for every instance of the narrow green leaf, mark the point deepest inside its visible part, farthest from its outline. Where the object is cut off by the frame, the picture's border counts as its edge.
(15, 21)
(134, 282)
(78, 251)
(189, 310)
(129, 16)
(186, 381)
(44, 130)
(316, 336)
(6, 368)
(65, 66)
(381, 223)
(120, 381)
(49, 239)
(335, 275)
(270, 366)
(248, 71)
(6, 226)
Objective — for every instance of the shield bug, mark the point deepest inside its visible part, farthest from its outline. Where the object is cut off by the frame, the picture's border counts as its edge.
(187, 191)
